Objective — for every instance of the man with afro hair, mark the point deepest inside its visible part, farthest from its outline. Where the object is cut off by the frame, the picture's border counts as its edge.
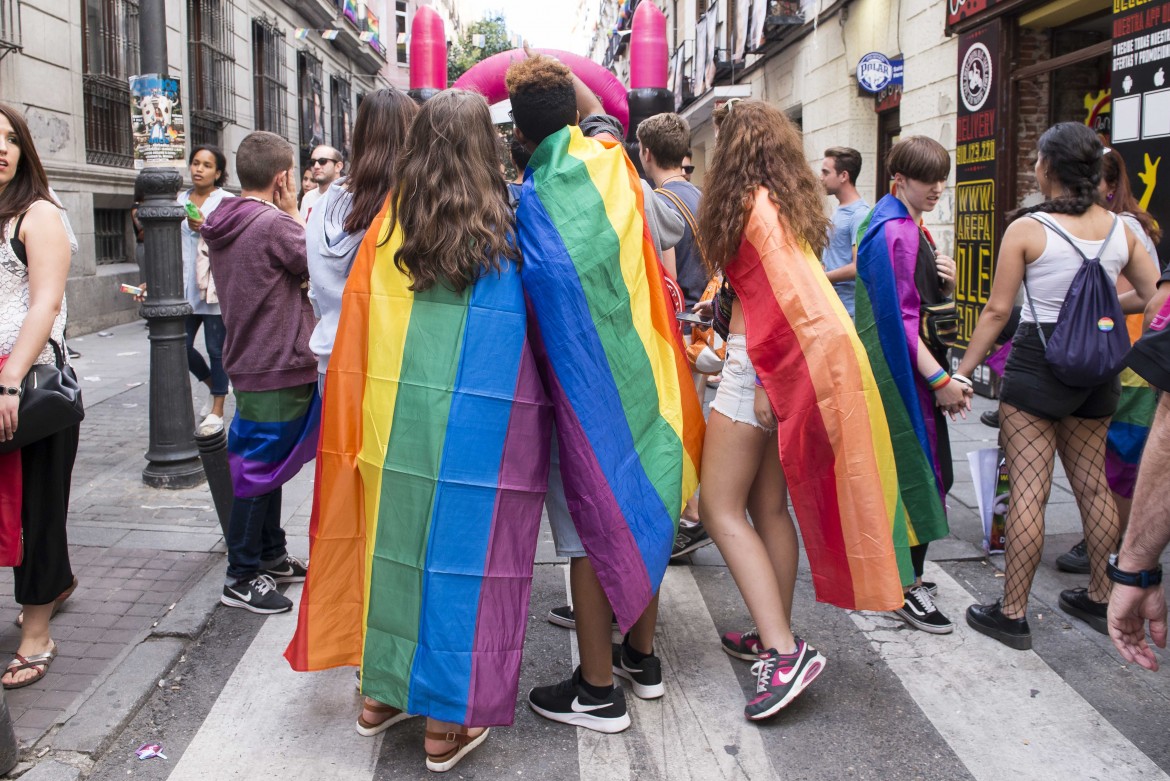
(546, 100)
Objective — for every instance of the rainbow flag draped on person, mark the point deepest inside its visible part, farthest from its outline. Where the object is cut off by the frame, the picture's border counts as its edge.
(629, 423)
(834, 442)
(273, 434)
(888, 316)
(431, 477)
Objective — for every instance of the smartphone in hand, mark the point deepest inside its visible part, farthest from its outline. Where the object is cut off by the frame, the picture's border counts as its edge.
(692, 318)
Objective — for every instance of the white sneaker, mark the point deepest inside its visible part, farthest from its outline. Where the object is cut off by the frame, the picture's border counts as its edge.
(210, 424)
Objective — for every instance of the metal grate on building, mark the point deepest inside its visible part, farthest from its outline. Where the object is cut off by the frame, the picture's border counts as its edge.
(211, 54)
(269, 54)
(109, 229)
(9, 26)
(341, 112)
(311, 88)
(110, 54)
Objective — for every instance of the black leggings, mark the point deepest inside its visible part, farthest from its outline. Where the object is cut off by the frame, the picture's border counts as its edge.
(47, 469)
(947, 468)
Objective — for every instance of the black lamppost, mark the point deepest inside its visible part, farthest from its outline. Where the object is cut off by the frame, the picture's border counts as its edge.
(172, 455)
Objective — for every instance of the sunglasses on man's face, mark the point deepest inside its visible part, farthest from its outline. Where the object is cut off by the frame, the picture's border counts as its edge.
(688, 169)
(321, 161)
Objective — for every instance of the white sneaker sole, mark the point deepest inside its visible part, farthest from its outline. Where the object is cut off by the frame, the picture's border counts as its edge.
(913, 621)
(794, 692)
(589, 721)
(264, 611)
(641, 691)
(443, 767)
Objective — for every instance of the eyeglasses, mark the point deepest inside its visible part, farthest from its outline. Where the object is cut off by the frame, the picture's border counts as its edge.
(688, 169)
(322, 161)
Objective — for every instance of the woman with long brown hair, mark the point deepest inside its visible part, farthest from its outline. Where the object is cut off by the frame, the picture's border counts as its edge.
(441, 258)
(757, 148)
(335, 229)
(34, 263)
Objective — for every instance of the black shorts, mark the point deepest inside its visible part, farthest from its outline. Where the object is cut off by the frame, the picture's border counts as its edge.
(1029, 384)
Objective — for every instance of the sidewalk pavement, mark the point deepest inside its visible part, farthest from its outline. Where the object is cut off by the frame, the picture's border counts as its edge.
(149, 562)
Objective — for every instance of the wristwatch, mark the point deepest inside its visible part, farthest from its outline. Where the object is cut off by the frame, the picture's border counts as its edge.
(1143, 579)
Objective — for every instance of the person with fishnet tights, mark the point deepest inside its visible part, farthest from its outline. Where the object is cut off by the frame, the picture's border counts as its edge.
(1039, 414)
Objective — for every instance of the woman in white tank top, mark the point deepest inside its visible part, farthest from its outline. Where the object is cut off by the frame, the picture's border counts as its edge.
(1039, 414)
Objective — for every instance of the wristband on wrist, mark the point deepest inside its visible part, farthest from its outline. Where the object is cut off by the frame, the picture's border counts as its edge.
(938, 380)
(964, 379)
(1142, 579)
(11, 390)
(758, 383)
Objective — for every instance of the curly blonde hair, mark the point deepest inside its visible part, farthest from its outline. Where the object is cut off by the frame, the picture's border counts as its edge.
(758, 147)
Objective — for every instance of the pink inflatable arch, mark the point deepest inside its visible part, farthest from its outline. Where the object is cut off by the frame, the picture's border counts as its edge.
(487, 78)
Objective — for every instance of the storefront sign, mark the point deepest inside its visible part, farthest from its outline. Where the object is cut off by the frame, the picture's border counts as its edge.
(957, 10)
(1140, 120)
(876, 71)
(156, 118)
(975, 181)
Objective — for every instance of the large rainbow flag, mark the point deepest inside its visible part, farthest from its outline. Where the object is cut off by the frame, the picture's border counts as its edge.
(629, 423)
(431, 476)
(834, 441)
(1130, 426)
(888, 316)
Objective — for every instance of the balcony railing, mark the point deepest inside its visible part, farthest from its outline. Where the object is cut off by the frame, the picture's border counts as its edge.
(108, 137)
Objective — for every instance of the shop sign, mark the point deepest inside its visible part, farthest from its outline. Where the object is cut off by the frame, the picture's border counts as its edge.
(1140, 110)
(889, 98)
(876, 71)
(958, 10)
(975, 181)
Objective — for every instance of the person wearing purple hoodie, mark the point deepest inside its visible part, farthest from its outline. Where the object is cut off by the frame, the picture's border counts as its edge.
(256, 245)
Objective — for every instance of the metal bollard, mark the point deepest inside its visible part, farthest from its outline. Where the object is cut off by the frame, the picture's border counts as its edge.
(213, 454)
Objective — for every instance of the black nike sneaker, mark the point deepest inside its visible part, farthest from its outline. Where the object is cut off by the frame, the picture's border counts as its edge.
(258, 595)
(568, 703)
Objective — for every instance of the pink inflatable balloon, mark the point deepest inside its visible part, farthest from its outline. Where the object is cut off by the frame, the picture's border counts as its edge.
(648, 54)
(487, 78)
(428, 50)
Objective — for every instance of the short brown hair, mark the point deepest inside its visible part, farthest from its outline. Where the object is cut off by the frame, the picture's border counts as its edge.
(260, 157)
(846, 161)
(667, 137)
(919, 158)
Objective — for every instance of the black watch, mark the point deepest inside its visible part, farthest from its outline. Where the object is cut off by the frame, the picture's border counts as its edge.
(1142, 579)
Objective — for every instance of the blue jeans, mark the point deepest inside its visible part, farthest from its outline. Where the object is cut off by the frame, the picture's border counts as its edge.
(213, 336)
(255, 539)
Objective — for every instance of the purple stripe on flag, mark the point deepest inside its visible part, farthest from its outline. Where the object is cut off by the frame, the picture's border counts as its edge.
(507, 577)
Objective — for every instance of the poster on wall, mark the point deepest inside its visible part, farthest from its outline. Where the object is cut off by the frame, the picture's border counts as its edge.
(975, 182)
(157, 121)
(1140, 111)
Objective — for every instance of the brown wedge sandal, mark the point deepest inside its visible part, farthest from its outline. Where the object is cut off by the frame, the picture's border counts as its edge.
(393, 715)
(462, 745)
(60, 600)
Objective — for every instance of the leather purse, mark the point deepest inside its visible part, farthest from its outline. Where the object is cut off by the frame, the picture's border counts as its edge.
(51, 402)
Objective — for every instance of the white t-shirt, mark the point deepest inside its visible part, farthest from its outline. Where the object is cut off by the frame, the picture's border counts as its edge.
(307, 203)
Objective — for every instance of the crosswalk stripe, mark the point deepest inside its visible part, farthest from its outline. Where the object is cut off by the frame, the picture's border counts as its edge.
(1005, 713)
(697, 730)
(269, 721)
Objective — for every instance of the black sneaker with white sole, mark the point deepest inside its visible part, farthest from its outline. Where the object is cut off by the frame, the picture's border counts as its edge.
(920, 612)
(564, 616)
(291, 570)
(258, 595)
(645, 677)
(689, 539)
(567, 703)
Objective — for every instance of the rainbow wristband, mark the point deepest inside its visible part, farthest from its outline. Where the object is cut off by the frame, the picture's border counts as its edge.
(938, 380)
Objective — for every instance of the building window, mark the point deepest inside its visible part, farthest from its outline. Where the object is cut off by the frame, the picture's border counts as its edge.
(211, 58)
(312, 98)
(400, 30)
(9, 26)
(270, 83)
(341, 113)
(109, 233)
(110, 55)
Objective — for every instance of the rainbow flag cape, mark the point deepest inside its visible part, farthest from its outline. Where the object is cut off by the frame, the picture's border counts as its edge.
(273, 434)
(629, 423)
(888, 309)
(834, 442)
(431, 478)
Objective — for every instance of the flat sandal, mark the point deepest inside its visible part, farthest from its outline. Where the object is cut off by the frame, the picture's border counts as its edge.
(393, 715)
(38, 662)
(464, 744)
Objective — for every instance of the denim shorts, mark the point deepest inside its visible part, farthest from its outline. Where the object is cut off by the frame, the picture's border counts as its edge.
(736, 397)
(1029, 384)
(564, 533)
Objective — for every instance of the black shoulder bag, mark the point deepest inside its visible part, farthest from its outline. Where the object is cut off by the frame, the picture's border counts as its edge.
(50, 402)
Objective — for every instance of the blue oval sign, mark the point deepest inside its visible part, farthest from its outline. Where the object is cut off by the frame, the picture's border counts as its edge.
(875, 72)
